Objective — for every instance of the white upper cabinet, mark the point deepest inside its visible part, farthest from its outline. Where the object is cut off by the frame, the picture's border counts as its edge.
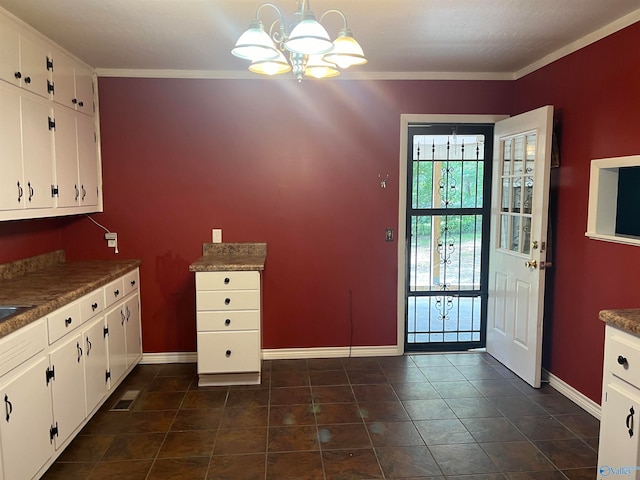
(73, 84)
(9, 53)
(49, 149)
(11, 181)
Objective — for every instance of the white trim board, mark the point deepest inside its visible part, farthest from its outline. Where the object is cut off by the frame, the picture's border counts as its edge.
(329, 352)
(572, 394)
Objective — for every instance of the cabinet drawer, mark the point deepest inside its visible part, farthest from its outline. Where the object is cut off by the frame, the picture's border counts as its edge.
(228, 321)
(131, 281)
(91, 304)
(623, 356)
(113, 292)
(227, 280)
(229, 300)
(228, 352)
(63, 321)
(19, 346)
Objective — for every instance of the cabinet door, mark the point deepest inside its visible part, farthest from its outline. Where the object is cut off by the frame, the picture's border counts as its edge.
(37, 139)
(67, 387)
(34, 57)
(95, 363)
(12, 186)
(66, 157)
(116, 343)
(87, 160)
(9, 53)
(64, 92)
(26, 423)
(132, 333)
(620, 414)
(84, 89)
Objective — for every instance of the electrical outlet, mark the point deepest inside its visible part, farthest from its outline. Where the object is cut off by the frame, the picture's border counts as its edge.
(388, 234)
(216, 235)
(112, 240)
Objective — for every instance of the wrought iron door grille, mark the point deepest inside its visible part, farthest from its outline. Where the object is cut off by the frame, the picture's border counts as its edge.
(447, 236)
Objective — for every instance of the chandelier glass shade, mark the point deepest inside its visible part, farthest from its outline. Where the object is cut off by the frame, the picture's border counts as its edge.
(304, 47)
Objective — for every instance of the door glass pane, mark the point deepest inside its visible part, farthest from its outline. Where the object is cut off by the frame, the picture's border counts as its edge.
(506, 156)
(526, 235)
(516, 188)
(504, 231)
(528, 195)
(514, 244)
(505, 194)
(518, 154)
(531, 153)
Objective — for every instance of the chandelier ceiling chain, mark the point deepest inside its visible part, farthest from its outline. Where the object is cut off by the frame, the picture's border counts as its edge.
(306, 42)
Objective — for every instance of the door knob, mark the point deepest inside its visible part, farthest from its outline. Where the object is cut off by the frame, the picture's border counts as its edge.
(531, 264)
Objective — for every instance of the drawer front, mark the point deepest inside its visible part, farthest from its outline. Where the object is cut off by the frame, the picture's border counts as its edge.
(21, 345)
(228, 321)
(229, 300)
(131, 282)
(91, 304)
(227, 280)
(63, 320)
(622, 356)
(228, 352)
(113, 292)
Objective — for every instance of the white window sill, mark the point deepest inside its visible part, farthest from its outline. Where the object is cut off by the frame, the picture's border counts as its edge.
(625, 239)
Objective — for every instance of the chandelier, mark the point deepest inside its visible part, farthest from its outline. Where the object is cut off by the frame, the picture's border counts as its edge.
(306, 43)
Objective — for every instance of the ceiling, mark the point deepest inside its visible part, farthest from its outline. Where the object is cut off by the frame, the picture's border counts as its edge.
(401, 38)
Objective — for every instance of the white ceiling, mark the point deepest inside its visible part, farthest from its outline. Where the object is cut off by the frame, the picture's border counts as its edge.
(401, 38)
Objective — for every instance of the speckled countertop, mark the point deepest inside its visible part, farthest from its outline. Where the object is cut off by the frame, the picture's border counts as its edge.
(627, 320)
(47, 283)
(225, 257)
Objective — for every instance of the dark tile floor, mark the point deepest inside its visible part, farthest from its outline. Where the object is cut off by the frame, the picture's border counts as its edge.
(436, 416)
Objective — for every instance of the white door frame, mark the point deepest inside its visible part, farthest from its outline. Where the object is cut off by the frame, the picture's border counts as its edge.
(405, 120)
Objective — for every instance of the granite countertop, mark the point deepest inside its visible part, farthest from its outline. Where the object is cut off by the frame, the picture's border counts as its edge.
(47, 282)
(225, 257)
(627, 320)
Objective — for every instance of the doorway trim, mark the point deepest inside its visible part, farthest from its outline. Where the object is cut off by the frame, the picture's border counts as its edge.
(405, 121)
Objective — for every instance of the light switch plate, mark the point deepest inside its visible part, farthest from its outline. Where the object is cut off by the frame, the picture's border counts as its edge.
(216, 235)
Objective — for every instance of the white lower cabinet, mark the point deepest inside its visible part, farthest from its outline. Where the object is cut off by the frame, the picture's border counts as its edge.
(228, 327)
(26, 427)
(619, 444)
(95, 363)
(66, 363)
(54, 374)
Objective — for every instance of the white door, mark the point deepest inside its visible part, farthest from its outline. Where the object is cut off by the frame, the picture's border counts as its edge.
(519, 205)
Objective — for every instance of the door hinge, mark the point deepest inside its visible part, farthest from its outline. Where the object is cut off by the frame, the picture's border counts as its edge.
(49, 64)
(50, 374)
(52, 123)
(53, 431)
(105, 331)
(107, 376)
(50, 87)
(54, 191)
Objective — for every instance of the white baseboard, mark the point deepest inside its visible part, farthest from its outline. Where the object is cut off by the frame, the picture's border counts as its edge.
(169, 357)
(572, 394)
(328, 352)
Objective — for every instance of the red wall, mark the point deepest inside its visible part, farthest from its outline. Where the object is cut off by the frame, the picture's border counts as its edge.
(27, 238)
(597, 101)
(293, 165)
